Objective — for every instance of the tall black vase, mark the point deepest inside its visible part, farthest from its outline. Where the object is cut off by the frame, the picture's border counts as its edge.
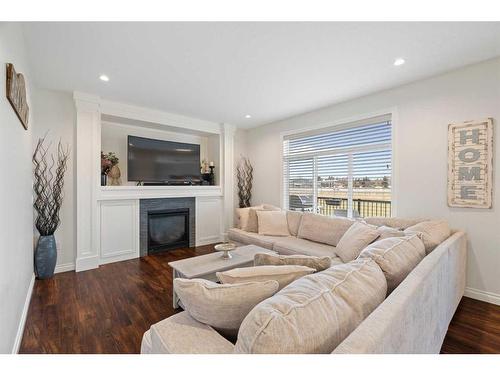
(45, 257)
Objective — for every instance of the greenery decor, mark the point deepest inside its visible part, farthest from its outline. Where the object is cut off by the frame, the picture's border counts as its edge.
(108, 161)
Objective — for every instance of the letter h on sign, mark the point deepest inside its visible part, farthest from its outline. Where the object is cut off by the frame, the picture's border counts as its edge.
(470, 151)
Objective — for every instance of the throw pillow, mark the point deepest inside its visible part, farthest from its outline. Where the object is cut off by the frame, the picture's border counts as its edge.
(316, 314)
(293, 218)
(396, 256)
(432, 232)
(252, 224)
(284, 275)
(272, 223)
(355, 239)
(324, 229)
(388, 232)
(222, 306)
(318, 263)
(242, 215)
(393, 222)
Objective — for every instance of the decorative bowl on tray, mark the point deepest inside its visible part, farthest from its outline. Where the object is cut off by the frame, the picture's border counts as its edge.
(225, 247)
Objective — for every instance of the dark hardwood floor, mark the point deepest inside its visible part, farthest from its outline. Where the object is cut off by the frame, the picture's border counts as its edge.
(108, 309)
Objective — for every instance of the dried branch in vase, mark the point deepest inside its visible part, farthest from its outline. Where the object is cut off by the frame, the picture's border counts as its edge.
(244, 176)
(48, 186)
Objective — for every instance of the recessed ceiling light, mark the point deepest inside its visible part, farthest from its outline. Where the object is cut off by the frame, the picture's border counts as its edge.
(104, 77)
(248, 116)
(399, 61)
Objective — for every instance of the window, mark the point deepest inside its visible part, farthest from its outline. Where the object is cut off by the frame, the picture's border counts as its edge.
(340, 171)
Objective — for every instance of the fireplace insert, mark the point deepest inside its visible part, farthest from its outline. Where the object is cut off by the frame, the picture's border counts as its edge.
(168, 229)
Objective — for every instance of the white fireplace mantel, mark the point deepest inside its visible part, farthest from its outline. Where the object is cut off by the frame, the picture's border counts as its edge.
(107, 216)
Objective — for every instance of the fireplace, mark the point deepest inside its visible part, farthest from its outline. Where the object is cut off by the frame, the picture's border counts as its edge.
(166, 224)
(167, 229)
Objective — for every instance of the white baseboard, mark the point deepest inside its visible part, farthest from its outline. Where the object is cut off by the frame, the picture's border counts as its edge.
(87, 263)
(65, 267)
(482, 295)
(24, 315)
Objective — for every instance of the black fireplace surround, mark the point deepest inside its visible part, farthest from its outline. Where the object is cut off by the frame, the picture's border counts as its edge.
(166, 224)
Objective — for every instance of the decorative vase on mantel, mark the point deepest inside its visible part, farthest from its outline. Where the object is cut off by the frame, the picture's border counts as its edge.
(45, 257)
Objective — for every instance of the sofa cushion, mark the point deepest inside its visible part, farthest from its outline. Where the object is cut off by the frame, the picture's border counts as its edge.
(393, 222)
(315, 313)
(250, 238)
(293, 218)
(253, 221)
(355, 239)
(389, 232)
(242, 215)
(294, 245)
(432, 233)
(318, 263)
(396, 256)
(273, 223)
(284, 275)
(182, 334)
(324, 229)
(222, 306)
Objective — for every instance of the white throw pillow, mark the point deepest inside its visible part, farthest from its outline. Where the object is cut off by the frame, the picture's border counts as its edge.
(316, 313)
(293, 218)
(272, 223)
(396, 256)
(324, 229)
(389, 232)
(357, 237)
(222, 306)
(252, 224)
(242, 214)
(432, 233)
(318, 263)
(284, 275)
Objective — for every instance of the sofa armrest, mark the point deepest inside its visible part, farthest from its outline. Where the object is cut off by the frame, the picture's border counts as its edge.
(182, 334)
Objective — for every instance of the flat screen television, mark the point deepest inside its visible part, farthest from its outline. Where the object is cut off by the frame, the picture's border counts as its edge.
(155, 161)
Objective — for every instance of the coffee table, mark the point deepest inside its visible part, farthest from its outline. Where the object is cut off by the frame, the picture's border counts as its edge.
(205, 266)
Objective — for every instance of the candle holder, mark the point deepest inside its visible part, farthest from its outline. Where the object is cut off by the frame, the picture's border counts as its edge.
(211, 179)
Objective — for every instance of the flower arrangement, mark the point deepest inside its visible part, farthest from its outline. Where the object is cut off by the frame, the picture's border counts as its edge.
(108, 161)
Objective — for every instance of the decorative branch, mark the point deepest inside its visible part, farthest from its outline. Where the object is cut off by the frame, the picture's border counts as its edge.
(244, 176)
(48, 187)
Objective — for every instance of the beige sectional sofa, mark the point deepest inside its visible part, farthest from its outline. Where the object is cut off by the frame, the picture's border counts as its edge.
(414, 317)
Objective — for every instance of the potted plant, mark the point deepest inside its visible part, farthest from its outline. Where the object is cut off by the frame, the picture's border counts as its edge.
(48, 198)
(108, 161)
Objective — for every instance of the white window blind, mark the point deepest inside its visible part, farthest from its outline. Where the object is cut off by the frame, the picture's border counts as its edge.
(344, 171)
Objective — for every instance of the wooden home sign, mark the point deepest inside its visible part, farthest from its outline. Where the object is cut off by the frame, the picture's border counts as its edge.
(16, 94)
(470, 164)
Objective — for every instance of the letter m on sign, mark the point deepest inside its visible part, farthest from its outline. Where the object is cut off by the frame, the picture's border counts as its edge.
(470, 164)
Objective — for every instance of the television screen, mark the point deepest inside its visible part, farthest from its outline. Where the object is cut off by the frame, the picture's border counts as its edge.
(156, 161)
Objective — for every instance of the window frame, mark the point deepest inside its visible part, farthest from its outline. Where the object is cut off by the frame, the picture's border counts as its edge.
(340, 125)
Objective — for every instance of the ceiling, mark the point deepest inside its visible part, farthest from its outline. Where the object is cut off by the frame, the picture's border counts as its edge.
(224, 71)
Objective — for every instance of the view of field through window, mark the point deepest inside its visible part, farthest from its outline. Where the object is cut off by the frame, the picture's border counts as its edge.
(354, 180)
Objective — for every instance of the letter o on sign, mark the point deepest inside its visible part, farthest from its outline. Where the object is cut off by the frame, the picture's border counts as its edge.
(469, 155)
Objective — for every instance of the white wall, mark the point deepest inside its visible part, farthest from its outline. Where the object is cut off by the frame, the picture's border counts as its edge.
(423, 111)
(55, 117)
(16, 212)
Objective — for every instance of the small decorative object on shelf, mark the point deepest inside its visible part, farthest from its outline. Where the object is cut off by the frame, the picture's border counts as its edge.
(108, 161)
(48, 192)
(244, 175)
(226, 247)
(212, 174)
(115, 176)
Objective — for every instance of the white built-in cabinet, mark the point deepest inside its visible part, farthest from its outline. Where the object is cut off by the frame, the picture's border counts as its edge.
(108, 217)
